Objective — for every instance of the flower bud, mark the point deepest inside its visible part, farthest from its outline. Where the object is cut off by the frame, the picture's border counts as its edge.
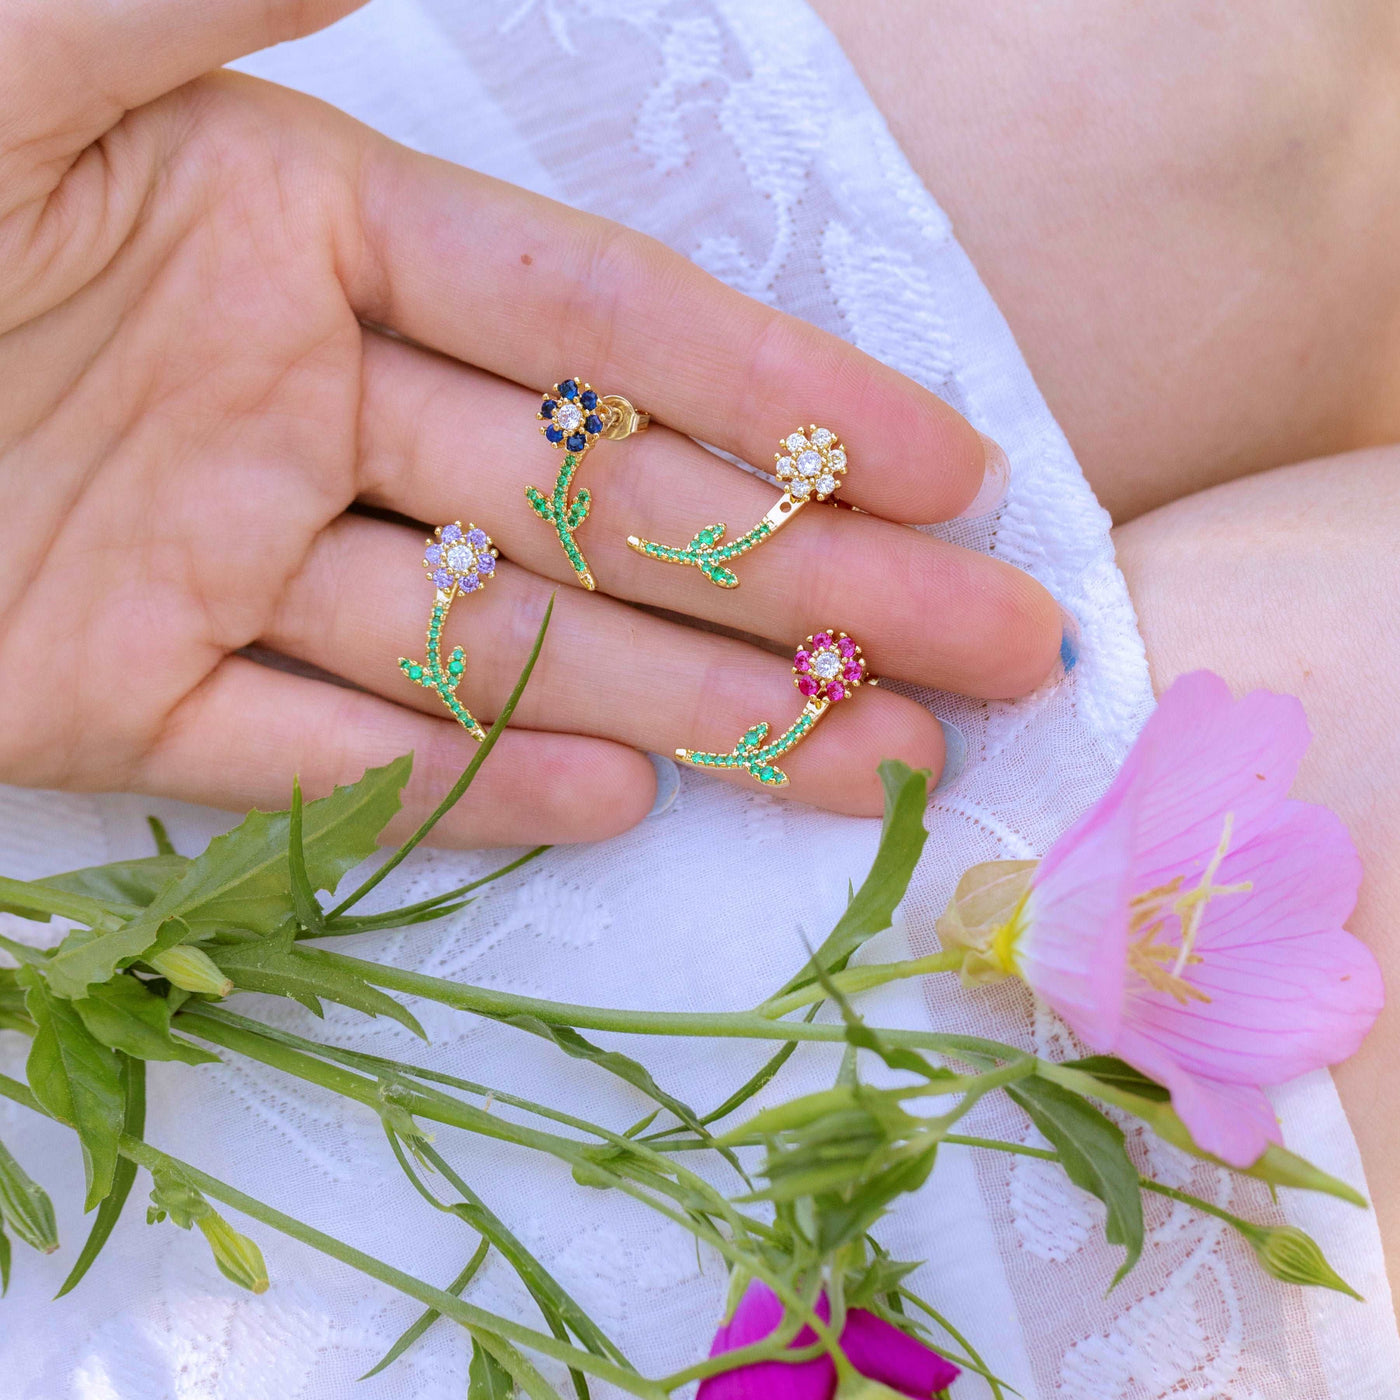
(238, 1258)
(1291, 1256)
(986, 916)
(25, 1206)
(192, 970)
(863, 1388)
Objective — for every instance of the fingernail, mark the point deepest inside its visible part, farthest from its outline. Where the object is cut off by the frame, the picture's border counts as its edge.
(996, 478)
(954, 755)
(668, 783)
(1069, 642)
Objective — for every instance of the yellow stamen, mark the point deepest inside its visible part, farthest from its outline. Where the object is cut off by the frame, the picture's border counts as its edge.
(1149, 910)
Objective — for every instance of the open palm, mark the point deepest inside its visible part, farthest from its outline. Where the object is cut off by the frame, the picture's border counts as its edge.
(215, 298)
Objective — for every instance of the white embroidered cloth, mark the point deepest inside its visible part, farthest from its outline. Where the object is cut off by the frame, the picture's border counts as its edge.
(738, 134)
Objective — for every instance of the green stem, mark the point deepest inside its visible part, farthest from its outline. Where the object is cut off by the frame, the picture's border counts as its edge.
(742, 1025)
(462, 783)
(861, 978)
(473, 1318)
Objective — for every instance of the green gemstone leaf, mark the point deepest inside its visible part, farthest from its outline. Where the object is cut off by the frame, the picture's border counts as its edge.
(1093, 1155)
(901, 844)
(241, 880)
(125, 1015)
(75, 1077)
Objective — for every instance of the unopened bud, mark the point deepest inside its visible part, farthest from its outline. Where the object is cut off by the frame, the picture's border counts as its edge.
(1291, 1256)
(238, 1258)
(192, 970)
(25, 1206)
(986, 916)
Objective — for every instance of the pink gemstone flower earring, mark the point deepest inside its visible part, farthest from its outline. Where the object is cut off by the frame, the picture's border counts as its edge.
(826, 669)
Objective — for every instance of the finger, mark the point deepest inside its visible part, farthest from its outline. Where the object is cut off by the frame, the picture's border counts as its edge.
(533, 291)
(86, 62)
(606, 670)
(437, 439)
(237, 740)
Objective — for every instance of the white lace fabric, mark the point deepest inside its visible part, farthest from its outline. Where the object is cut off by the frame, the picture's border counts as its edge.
(738, 134)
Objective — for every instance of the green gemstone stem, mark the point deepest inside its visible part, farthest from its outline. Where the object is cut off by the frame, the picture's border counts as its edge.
(708, 551)
(755, 757)
(564, 514)
(442, 679)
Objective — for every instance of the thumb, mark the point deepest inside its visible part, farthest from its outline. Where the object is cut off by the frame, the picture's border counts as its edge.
(77, 67)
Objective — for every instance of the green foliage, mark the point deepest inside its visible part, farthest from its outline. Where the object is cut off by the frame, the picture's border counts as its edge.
(25, 1206)
(124, 1014)
(1092, 1153)
(133, 1079)
(75, 1077)
(487, 1379)
(872, 907)
(241, 880)
(280, 967)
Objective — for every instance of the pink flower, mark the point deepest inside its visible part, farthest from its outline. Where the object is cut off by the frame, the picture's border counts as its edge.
(876, 1348)
(1191, 921)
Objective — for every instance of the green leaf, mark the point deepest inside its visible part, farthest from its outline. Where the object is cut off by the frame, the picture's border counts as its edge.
(280, 968)
(13, 1016)
(487, 1379)
(1278, 1166)
(125, 885)
(241, 880)
(25, 1206)
(1093, 1155)
(623, 1066)
(308, 910)
(872, 907)
(126, 1015)
(164, 845)
(429, 1316)
(133, 1076)
(75, 1077)
(4, 1261)
(1108, 1069)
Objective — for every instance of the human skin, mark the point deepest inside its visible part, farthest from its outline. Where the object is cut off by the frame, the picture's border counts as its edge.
(196, 277)
(1187, 213)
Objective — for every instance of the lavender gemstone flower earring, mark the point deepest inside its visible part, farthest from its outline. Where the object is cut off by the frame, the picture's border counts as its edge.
(458, 559)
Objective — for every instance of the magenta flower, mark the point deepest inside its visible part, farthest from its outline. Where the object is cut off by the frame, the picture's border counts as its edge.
(1191, 921)
(876, 1348)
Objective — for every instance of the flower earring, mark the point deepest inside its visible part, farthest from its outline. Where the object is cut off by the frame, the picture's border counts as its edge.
(459, 559)
(810, 466)
(826, 669)
(573, 417)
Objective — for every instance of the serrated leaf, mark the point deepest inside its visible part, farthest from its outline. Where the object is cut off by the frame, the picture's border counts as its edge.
(1278, 1166)
(281, 968)
(872, 908)
(487, 1379)
(1093, 1155)
(25, 1206)
(126, 1015)
(241, 880)
(133, 1079)
(75, 1077)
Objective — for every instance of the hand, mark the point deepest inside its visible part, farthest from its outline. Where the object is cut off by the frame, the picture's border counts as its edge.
(198, 277)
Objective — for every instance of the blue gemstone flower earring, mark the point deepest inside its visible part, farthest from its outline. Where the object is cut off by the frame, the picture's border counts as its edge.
(573, 416)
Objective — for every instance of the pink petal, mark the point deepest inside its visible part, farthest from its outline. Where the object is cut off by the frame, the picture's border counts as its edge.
(758, 1315)
(1290, 990)
(1234, 1122)
(1074, 951)
(1202, 754)
(880, 1351)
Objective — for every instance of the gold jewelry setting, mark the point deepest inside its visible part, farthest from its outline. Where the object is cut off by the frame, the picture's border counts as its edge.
(827, 669)
(573, 416)
(458, 559)
(809, 465)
